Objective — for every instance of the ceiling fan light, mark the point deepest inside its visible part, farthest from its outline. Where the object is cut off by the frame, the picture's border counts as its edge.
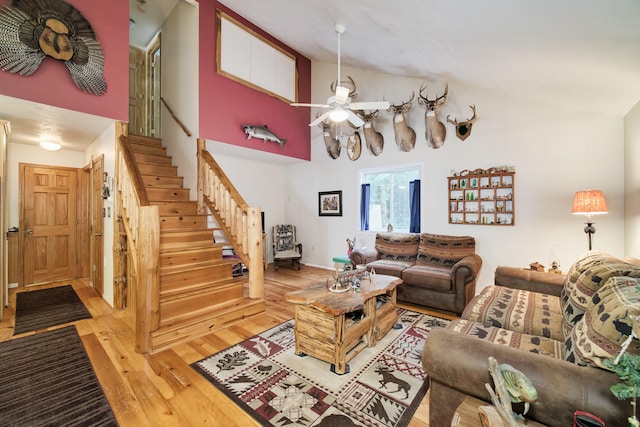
(338, 115)
(51, 146)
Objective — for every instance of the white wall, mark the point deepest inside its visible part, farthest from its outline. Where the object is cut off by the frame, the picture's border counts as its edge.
(260, 183)
(556, 152)
(179, 59)
(632, 182)
(104, 145)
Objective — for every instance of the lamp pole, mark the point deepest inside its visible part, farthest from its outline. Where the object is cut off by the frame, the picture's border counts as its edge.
(590, 230)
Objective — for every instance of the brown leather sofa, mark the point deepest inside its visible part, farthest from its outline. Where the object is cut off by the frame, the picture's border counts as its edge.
(437, 271)
(558, 339)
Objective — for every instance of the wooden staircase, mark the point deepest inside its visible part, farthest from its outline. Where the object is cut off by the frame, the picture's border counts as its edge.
(197, 291)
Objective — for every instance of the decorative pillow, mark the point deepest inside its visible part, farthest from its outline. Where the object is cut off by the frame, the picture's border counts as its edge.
(398, 246)
(444, 251)
(496, 335)
(585, 277)
(606, 324)
(517, 310)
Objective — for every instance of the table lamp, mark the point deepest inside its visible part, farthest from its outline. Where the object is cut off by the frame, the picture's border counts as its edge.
(589, 202)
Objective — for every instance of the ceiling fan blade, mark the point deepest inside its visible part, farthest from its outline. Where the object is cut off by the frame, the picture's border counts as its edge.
(354, 119)
(320, 119)
(372, 105)
(302, 104)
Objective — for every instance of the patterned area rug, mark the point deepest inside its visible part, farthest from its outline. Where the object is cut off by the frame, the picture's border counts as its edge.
(47, 379)
(48, 307)
(384, 386)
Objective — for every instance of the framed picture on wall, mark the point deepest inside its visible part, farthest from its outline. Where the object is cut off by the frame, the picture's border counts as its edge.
(330, 203)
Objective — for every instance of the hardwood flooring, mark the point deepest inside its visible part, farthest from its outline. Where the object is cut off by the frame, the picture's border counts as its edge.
(161, 389)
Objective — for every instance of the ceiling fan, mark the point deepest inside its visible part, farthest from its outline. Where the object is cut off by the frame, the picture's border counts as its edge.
(340, 103)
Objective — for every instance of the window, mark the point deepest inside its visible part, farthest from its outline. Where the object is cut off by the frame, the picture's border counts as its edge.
(386, 198)
(247, 57)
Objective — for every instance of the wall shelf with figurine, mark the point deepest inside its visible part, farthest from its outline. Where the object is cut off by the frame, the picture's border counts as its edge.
(483, 197)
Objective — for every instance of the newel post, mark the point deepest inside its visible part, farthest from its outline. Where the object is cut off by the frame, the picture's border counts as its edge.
(148, 277)
(254, 238)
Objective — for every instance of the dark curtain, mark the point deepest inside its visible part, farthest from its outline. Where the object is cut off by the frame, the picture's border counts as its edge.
(414, 206)
(365, 196)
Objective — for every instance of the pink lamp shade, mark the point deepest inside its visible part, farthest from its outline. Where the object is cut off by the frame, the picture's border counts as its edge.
(589, 202)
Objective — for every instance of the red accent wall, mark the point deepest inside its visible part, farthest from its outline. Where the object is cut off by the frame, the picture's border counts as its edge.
(225, 105)
(52, 84)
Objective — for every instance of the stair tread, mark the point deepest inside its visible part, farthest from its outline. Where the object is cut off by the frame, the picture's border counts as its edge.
(181, 246)
(153, 175)
(196, 316)
(179, 214)
(142, 139)
(187, 290)
(194, 231)
(178, 230)
(195, 265)
(168, 187)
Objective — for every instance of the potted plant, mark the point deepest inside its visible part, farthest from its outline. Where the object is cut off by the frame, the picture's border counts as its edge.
(627, 367)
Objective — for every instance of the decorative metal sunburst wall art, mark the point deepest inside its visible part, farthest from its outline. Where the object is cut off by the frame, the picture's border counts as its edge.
(31, 30)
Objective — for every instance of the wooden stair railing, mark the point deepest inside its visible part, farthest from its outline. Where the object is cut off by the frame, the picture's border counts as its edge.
(242, 224)
(159, 287)
(141, 222)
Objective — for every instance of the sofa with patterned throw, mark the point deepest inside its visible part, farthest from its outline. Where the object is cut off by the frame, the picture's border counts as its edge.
(437, 271)
(556, 329)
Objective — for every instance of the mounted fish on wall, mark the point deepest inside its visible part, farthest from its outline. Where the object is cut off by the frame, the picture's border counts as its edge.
(262, 132)
(31, 30)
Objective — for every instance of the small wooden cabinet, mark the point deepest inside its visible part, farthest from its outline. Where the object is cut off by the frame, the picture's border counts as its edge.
(482, 198)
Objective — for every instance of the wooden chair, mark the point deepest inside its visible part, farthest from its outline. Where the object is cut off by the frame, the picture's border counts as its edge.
(285, 247)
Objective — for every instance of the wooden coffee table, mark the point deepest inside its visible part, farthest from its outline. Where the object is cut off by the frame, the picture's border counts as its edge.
(335, 327)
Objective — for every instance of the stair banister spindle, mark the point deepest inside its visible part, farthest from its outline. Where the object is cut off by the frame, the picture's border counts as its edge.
(230, 209)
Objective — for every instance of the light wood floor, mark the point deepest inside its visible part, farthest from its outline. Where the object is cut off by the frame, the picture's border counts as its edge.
(161, 389)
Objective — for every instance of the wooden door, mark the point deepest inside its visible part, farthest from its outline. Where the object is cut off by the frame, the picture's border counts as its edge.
(97, 225)
(48, 223)
(137, 99)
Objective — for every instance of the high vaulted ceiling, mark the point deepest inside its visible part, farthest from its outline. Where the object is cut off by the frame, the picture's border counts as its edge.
(578, 53)
(582, 54)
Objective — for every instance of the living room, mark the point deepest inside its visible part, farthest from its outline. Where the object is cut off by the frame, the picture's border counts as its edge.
(556, 150)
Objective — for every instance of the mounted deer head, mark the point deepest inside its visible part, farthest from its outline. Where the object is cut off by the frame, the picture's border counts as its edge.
(373, 139)
(405, 136)
(436, 131)
(331, 142)
(463, 129)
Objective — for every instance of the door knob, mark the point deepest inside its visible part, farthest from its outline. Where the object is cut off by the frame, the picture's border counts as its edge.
(97, 234)
(29, 231)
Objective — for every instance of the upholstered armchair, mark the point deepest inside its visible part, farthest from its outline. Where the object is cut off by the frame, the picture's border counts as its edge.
(285, 247)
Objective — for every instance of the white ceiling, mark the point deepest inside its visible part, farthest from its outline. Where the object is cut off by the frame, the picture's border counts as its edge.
(583, 54)
(579, 53)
